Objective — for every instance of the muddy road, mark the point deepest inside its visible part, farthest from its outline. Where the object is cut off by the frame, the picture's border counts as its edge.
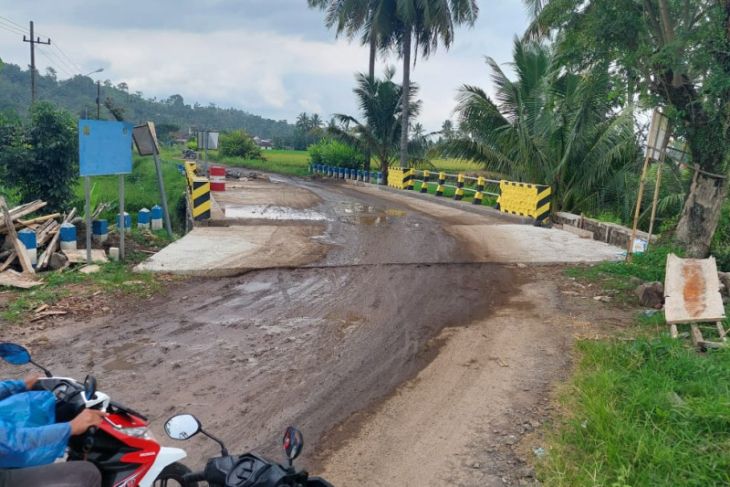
(336, 346)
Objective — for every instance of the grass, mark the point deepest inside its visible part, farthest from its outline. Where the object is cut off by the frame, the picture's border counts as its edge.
(141, 189)
(449, 194)
(289, 162)
(114, 278)
(455, 166)
(641, 411)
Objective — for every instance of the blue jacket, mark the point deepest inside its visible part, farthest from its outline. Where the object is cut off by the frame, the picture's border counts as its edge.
(29, 435)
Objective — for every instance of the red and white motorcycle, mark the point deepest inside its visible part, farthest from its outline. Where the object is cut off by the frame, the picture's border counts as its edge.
(122, 448)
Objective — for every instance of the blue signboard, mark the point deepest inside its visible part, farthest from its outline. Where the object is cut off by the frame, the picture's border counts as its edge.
(105, 148)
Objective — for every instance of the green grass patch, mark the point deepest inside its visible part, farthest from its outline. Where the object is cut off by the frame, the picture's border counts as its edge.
(141, 189)
(639, 411)
(648, 412)
(288, 162)
(449, 194)
(456, 165)
(114, 277)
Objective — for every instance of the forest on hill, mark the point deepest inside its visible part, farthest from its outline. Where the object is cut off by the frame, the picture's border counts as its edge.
(78, 95)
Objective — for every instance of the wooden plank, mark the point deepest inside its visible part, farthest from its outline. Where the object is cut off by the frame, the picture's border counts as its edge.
(46, 232)
(45, 258)
(697, 338)
(8, 261)
(16, 279)
(692, 291)
(40, 219)
(19, 247)
(721, 331)
(21, 211)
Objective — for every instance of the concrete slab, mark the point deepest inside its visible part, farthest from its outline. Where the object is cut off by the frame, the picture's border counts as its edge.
(527, 244)
(230, 251)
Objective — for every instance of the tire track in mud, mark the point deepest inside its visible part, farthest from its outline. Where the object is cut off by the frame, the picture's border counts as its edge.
(308, 346)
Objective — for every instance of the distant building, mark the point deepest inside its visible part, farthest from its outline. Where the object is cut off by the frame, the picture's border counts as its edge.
(265, 144)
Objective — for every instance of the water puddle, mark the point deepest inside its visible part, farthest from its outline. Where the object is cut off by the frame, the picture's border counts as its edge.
(265, 212)
(359, 214)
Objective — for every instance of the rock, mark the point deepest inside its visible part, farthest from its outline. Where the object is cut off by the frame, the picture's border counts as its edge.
(603, 299)
(57, 262)
(90, 269)
(651, 295)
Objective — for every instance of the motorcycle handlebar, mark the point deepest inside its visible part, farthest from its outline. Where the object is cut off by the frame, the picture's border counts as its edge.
(194, 477)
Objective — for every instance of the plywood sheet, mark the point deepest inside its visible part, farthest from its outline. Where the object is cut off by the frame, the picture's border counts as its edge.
(79, 256)
(692, 291)
(11, 278)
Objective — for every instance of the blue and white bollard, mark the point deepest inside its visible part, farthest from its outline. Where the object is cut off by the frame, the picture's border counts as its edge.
(28, 239)
(68, 236)
(100, 230)
(143, 218)
(381, 180)
(156, 217)
(127, 222)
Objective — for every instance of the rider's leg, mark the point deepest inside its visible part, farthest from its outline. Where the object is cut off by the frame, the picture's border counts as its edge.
(66, 474)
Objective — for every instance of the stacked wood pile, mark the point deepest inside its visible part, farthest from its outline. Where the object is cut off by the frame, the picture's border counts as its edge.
(16, 269)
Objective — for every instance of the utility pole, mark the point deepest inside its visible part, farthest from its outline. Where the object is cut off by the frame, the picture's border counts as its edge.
(33, 41)
(98, 100)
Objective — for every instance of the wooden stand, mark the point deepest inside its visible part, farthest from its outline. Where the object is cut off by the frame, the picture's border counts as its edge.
(698, 340)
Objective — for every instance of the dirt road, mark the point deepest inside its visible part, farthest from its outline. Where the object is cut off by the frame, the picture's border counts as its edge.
(399, 351)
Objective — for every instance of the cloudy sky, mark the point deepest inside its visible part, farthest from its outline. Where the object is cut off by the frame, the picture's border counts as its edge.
(270, 57)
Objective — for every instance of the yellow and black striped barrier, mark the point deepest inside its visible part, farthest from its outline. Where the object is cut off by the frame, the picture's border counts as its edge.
(400, 178)
(523, 199)
(198, 193)
(200, 197)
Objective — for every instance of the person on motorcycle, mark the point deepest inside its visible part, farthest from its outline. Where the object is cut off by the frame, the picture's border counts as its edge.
(31, 440)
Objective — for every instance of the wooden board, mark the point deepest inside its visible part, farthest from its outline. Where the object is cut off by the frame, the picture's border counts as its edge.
(20, 249)
(692, 291)
(16, 279)
(79, 256)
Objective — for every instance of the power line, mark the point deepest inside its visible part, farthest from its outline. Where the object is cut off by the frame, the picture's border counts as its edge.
(17, 25)
(33, 40)
(11, 28)
(54, 64)
(71, 62)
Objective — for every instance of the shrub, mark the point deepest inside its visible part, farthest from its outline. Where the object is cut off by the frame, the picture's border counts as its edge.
(239, 144)
(335, 153)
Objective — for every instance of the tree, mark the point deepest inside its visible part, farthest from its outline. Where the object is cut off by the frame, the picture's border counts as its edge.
(670, 53)
(549, 127)
(379, 129)
(447, 130)
(302, 122)
(422, 25)
(315, 122)
(41, 158)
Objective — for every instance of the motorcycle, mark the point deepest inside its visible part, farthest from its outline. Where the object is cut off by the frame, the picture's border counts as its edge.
(122, 447)
(247, 470)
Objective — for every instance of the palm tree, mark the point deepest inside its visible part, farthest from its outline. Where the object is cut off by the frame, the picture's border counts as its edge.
(422, 24)
(379, 130)
(550, 127)
(302, 122)
(374, 20)
(315, 122)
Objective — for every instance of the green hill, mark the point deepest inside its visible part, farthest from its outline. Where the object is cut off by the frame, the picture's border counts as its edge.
(78, 95)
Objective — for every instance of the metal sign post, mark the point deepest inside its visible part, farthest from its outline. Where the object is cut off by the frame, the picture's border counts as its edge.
(105, 149)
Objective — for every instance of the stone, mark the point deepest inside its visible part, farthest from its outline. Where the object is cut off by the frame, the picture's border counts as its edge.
(651, 295)
(58, 261)
(90, 269)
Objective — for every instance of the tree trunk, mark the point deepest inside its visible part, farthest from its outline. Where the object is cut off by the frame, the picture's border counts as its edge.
(405, 99)
(701, 214)
(371, 73)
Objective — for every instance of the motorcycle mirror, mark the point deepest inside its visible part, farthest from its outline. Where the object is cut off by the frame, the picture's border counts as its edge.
(14, 354)
(90, 387)
(293, 443)
(182, 427)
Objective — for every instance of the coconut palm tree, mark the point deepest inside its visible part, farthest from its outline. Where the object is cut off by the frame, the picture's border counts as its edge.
(422, 25)
(379, 129)
(550, 127)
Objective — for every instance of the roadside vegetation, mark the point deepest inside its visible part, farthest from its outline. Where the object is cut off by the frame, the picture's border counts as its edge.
(641, 408)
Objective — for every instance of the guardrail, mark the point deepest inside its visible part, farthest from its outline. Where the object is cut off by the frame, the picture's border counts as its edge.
(522, 199)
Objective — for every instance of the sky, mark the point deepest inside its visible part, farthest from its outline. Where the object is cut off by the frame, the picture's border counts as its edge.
(273, 58)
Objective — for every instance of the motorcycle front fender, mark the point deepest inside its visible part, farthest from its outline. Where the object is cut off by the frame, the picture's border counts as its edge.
(167, 456)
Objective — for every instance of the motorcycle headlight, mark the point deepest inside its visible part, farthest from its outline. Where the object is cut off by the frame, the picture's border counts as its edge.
(141, 432)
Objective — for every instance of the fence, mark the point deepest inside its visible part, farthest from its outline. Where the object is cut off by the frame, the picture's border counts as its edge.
(522, 199)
